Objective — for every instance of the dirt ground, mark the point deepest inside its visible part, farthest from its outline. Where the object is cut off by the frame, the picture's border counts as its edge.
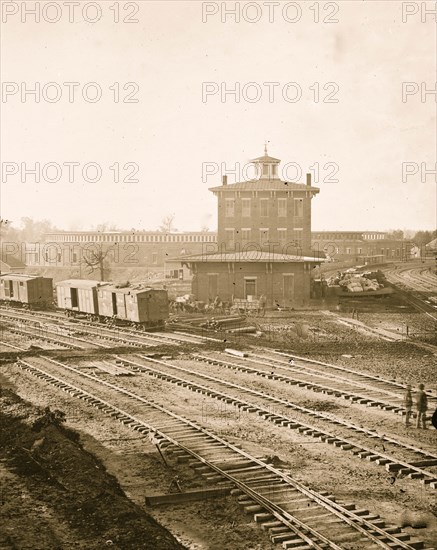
(61, 492)
(56, 495)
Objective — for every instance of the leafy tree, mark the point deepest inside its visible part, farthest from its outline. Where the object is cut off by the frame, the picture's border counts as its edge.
(421, 238)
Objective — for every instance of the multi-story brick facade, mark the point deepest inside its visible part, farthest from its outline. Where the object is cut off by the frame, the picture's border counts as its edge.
(263, 241)
(267, 213)
(149, 249)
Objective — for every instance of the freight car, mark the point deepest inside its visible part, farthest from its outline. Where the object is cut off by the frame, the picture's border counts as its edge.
(29, 291)
(137, 305)
(77, 295)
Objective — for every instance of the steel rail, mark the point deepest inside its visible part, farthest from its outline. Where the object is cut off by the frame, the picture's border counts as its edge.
(295, 381)
(356, 522)
(430, 477)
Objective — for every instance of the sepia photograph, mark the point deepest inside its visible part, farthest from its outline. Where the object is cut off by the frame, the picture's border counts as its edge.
(218, 275)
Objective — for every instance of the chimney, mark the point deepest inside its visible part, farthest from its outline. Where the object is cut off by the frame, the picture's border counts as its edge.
(225, 180)
(309, 178)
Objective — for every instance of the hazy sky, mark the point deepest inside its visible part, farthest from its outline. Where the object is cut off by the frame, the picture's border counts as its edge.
(172, 132)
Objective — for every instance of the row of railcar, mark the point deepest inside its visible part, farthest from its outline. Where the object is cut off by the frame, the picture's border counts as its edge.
(135, 304)
(99, 300)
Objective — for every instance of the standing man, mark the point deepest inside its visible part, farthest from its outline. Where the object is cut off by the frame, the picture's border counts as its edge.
(421, 406)
(262, 305)
(408, 404)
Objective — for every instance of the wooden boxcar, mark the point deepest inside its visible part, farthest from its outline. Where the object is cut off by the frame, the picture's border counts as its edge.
(29, 290)
(136, 304)
(78, 295)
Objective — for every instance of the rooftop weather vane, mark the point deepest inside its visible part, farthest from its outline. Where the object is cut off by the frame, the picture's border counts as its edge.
(265, 147)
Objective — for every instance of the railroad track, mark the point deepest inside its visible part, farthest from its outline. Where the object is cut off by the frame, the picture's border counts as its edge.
(416, 278)
(417, 285)
(295, 515)
(389, 388)
(398, 457)
(53, 334)
(119, 335)
(310, 379)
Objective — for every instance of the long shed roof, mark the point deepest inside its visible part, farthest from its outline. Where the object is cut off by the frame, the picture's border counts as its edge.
(249, 256)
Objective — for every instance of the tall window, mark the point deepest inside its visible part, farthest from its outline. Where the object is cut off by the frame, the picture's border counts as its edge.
(282, 208)
(230, 240)
(263, 236)
(264, 207)
(245, 235)
(297, 237)
(298, 208)
(245, 208)
(229, 208)
(282, 237)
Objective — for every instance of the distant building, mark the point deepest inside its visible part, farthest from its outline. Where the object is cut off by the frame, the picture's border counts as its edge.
(361, 246)
(11, 264)
(263, 241)
(148, 249)
(431, 246)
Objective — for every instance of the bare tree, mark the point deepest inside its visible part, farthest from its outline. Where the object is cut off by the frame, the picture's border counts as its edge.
(167, 224)
(95, 259)
(106, 226)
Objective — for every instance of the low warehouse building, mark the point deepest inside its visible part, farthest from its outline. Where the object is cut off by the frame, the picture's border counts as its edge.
(285, 280)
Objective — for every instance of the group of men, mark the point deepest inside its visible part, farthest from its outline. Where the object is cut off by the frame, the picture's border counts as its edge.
(421, 405)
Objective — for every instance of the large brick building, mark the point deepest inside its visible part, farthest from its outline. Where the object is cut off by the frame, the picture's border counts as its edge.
(361, 246)
(263, 241)
(148, 249)
(265, 213)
